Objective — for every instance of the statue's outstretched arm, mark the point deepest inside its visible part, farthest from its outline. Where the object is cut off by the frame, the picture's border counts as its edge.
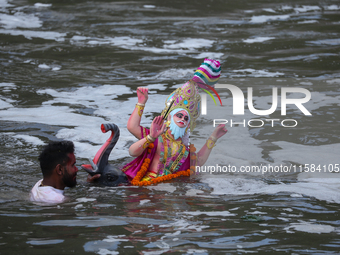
(133, 124)
(203, 154)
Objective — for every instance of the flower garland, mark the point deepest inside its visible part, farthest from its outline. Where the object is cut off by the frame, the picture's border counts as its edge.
(145, 166)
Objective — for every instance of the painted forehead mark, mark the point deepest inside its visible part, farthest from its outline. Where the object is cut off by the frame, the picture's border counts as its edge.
(184, 112)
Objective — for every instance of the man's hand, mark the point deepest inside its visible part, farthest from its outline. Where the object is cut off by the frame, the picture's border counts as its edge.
(157, 127)
(142, 94)
(92, 178)
(219, 131)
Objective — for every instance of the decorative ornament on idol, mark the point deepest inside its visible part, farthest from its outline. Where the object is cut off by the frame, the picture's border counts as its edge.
(188, 97)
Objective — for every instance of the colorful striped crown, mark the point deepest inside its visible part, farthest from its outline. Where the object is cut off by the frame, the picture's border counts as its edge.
(208, 73)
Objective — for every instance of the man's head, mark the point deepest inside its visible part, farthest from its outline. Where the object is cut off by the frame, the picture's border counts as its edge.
(179, 121)
(57, 158)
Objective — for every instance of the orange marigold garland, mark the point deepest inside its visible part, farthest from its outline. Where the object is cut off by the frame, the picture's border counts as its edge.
(145, 166)
(192, 148)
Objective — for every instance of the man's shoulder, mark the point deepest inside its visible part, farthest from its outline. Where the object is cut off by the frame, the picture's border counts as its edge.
(46, 194)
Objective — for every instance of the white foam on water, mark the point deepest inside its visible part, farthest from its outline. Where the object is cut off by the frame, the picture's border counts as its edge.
(210, 55)
(85, 199)
(258, 39)
(189, 43)
(44, 66)
(144, 201)
(30, 139)
(103, 251)
(7, 85)
(163, 187)
(269, 10)
(50, 115)
(249, 72)
(15, 160)
(286, 7)
(45, 241)
(334, 81)
(333, 42)
(184, 225)
(4, 101)
(319, 99)
(214, 213)
(257, 213)
(41, 5)
(4, 3)
(125, 42)
(310, 227)
(196, 251)
(332, 7)
(297, 9)
(172, 73)
(4, 104)
(162, 50)
(111, 239)
(48, 35)
(318, 155)
(84, 130)
(307, 83)
(308, 21)
(304, 57)
(19, 19)
(307, 8)
(149, 6)
(77, 38)
(184, 46)
(224, 185)
(265, 18)
(57, 68)
(193, 192)
(153, 87)
(160, 251)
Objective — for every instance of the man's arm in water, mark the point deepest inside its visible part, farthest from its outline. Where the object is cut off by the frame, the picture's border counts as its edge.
(92, 178)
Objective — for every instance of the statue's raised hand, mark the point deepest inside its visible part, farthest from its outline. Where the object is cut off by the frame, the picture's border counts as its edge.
(219, 131)
(142, 94)
(157, 127)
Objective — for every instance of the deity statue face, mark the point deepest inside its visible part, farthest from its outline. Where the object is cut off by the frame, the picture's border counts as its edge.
(179, 122)
(181, 119)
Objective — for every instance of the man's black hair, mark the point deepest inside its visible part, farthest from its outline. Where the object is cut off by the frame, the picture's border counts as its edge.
(53, 154)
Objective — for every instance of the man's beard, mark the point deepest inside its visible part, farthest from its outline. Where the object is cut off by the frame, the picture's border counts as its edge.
(176, 131)
(68, 180)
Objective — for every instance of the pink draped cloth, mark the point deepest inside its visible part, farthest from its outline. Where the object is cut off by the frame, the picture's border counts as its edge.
(131, 169)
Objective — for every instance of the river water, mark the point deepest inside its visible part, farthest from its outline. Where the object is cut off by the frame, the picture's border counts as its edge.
(68, 66)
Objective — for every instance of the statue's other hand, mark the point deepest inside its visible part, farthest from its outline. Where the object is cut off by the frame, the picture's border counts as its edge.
(219, 131)
(157, 127)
